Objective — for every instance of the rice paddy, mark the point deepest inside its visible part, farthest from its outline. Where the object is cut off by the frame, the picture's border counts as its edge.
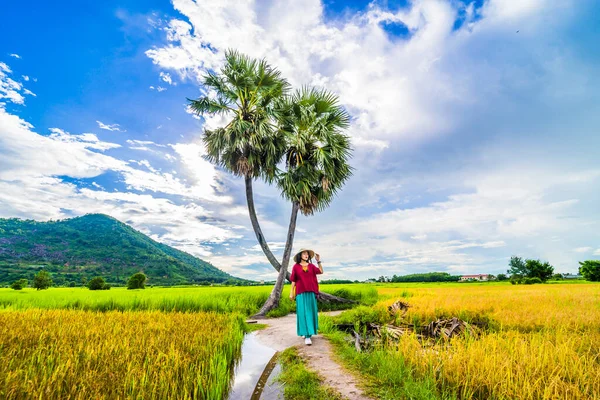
(72, 354)
(539, 342)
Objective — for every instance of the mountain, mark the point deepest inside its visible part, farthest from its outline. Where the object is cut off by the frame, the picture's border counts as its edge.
(94, 245)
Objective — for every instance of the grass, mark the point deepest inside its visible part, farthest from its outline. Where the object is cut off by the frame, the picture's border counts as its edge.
(300, 383)
(245, 300)
(541, 342)
(255, 327)
(59, 354)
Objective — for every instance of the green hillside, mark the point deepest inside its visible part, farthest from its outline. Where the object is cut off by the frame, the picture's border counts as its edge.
(94, 245)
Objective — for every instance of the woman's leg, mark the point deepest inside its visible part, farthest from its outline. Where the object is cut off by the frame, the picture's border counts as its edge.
(307, 317)
(312, 314)
(301, 322)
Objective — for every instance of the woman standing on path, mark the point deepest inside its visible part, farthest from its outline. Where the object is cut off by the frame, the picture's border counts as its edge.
(305, 288)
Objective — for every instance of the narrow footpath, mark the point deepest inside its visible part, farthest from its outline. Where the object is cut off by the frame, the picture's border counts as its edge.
(281, 334)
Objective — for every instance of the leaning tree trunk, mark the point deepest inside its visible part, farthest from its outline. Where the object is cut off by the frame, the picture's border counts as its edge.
(255, 225)
(325, 297)
(273, 300)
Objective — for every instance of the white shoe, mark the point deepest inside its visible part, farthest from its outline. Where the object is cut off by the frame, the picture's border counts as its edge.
(307, 341)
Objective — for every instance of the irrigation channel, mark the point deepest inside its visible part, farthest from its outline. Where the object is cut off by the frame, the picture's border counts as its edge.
(254, 376)
(257, 365)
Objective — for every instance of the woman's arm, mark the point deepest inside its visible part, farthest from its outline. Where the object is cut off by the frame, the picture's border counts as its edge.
(293, 280)
(319, 263)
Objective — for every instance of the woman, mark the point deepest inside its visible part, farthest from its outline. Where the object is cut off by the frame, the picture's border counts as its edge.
(305, 288)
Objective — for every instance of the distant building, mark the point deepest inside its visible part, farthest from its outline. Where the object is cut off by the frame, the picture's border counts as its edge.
(479, 277)
(569, 276)
(371, 280)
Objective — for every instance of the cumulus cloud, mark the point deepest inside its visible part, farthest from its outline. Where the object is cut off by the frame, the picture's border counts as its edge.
(459, 73)
(396, 89)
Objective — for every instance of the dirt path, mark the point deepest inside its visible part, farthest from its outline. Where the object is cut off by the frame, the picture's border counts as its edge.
(281, 334)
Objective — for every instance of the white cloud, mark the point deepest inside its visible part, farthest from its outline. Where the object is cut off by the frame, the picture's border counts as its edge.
(166, 77)
(71, 155)
(597, 252)
(110, 127)
(381, 78)
(582, 249)
(15, 55)
(25, 78)
(144, 145)
(9, 88)
(501, 212)
(87, 140)
(508, 11)
(26, 154)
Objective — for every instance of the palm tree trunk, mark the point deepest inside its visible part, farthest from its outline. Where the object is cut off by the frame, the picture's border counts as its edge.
(255, 225)
(325, 297)
(275, 296)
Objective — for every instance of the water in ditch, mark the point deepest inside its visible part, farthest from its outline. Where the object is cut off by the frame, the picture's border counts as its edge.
(254, 375)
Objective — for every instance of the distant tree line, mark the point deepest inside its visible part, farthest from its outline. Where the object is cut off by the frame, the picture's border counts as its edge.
(337, 281)
(535, 271)
(425, 277)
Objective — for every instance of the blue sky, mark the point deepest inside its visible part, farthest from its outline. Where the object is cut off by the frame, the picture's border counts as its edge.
(475, 127)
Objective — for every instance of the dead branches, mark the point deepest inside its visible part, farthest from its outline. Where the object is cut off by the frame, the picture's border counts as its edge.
(372, 334)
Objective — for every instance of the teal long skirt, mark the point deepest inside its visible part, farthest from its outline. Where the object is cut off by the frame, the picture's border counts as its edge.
(307, 317)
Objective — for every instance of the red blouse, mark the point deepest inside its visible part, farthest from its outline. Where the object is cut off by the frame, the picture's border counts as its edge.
(305, 281)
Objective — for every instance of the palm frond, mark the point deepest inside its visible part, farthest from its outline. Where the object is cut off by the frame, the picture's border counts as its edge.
(318, 152)
(251, 143)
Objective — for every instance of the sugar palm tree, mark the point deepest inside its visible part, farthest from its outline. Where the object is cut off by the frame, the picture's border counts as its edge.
(250, 145)
(264, 126)
(316, 162)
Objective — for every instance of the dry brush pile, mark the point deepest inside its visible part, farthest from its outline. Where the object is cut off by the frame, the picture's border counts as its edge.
(373, 334)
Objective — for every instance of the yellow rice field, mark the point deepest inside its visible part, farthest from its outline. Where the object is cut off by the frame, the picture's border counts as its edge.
(71, 354)
(543, 341)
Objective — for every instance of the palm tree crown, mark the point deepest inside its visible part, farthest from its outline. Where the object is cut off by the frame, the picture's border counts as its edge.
(317, 151)
(246, 89)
